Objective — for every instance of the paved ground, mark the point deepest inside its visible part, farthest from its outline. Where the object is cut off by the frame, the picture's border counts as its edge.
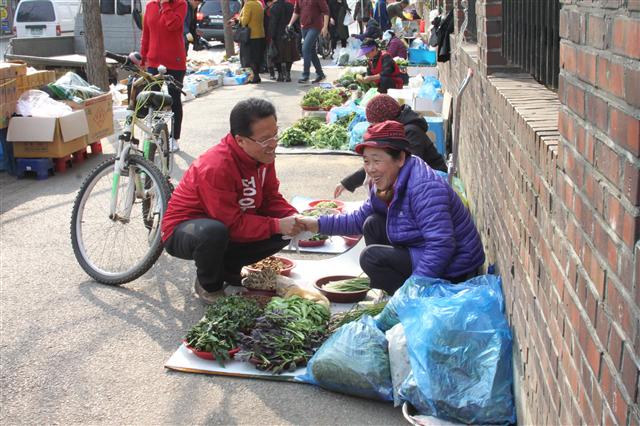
(74, 351)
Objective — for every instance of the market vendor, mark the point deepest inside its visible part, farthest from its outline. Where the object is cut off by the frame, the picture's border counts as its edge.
(396, 48)
(413, 222)
(382, 70)
(227, 211)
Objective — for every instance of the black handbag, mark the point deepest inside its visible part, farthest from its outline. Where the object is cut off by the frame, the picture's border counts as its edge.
(242, 35)
(272, 51)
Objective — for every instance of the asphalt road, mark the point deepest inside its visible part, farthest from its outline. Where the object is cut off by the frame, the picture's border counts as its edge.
(74, 351)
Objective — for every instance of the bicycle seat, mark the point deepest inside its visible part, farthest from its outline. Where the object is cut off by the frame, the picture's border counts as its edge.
(155, 100)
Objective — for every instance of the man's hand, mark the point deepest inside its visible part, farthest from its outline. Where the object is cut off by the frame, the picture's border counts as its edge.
(338, 191)
(325, 32)
(290, 226)
(308, 223)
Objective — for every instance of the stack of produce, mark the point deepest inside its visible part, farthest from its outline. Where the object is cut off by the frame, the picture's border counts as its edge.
(319, 98)
(224, 320)
(286, 335)
(350, 80)
(312, 132)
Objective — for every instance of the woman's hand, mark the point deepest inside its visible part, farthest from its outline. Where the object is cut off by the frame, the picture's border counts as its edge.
(308, 223)
(338, 191)
(290, 226)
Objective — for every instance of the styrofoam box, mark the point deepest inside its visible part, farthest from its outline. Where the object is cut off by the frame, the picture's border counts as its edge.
(403, 96)
(425, 104)
(424, 71)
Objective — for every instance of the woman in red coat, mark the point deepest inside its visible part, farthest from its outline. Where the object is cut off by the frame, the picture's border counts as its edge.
(163, 44)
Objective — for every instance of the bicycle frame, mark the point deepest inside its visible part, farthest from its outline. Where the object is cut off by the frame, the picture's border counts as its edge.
(126, 142)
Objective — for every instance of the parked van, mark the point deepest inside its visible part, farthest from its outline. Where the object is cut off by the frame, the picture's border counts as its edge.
(45, 18)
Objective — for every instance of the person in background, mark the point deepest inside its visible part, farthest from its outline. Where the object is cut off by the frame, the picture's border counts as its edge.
(285, 42)
(314, 20)
(338, 9)
(395, 46)
(381, 68)
(227, 211)
(163, 44)
(395, 10)
(363, 9)
(380, 15)
(190, 28)
(252, 16)
(383, 108)
(269, 40)
(372, 31)
(413, 222)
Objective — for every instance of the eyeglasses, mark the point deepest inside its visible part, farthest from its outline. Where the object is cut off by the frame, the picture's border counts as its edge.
(265, 143)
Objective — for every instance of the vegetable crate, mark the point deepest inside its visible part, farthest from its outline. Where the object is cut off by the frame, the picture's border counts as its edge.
(422, 56)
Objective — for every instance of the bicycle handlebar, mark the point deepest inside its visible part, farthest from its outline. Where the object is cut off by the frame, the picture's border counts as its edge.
(126, 61)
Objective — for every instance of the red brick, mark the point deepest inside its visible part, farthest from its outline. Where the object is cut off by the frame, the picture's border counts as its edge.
(575, 98)
(494, 41)
(626, 33)
(623, 128)
(631, 183)
(587, 66)
(614, 214)
(602, 326)
(564, 26)
(577, 27)
(632, 86)
(606, 380)
(610, 76)
(568, 58)
(597, 31)
(593, 355)
(629, 371)
(619, 407)
(597, 111)
(589, 148)
(608, 163)
(612, 254)
(493, 10)
(630, 228)
(615, 346)
(620, 310)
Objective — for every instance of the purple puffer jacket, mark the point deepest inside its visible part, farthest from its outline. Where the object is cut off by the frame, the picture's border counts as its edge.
(426, 216)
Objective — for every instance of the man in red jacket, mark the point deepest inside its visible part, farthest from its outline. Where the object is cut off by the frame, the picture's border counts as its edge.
(227, 211)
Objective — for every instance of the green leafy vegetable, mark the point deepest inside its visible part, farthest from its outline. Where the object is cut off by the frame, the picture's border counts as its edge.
(294, 136)
(332, 136)
(348, 285)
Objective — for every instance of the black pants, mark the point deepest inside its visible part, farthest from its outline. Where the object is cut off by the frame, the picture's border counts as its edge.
(176, 104)
(385, 84)
(207, 242)
(388, 267)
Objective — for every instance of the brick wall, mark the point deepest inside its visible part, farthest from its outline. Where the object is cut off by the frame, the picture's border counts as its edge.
(553, 181)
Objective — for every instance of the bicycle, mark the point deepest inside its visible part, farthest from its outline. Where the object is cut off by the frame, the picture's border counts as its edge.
(116, 217)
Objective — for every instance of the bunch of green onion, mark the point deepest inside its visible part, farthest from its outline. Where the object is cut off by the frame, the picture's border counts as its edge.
(348, 285)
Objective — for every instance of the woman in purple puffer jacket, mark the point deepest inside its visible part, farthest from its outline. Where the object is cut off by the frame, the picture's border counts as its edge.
(413, 222)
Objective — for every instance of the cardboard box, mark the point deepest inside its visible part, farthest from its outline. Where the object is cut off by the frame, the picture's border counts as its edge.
(11, 70)
(8, 97)
(34, 80)
(99, 112)
(48, 137)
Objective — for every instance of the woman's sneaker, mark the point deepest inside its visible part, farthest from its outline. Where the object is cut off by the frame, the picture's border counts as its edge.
(173, 145)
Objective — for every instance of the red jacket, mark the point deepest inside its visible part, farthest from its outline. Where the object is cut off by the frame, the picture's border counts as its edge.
(162, 38)
(226, 184)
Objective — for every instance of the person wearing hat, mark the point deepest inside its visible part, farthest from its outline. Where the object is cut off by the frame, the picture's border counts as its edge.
(382, 70)
(396, 48)
(382, 108)
(413, 222)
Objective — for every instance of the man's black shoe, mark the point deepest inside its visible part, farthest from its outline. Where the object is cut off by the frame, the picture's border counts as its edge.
(320, 78)
(303, 80)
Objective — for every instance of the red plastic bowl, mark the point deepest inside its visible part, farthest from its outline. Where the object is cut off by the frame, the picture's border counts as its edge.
(208, 355)
(339, 203)
(308, 108)
(289, 265)
(351, 240)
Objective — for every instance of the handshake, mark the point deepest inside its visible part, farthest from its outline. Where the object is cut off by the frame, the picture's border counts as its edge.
(293, 225)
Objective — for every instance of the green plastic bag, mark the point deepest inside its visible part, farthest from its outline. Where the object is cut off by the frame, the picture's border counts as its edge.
(368, 96)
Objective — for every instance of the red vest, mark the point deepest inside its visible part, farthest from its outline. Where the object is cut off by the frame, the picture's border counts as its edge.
(395, 75)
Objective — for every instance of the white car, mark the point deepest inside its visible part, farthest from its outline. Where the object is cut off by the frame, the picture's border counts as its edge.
(45, 18)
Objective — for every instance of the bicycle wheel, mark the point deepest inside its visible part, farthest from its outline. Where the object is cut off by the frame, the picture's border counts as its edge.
(116, 251)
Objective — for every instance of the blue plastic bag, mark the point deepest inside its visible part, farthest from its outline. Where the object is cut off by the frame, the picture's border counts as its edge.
(356, 135)
(460, 352)
(430, 89)
(340, 111)
(417, 287)
(353, 361)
